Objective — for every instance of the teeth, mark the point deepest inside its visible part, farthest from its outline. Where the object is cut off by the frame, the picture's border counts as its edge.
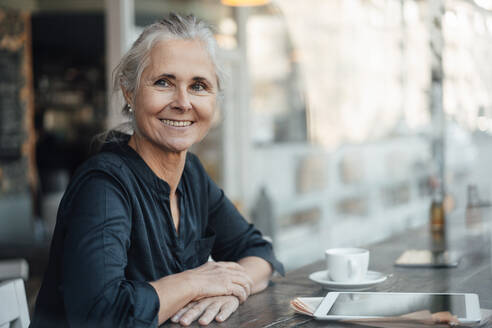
(176, 123)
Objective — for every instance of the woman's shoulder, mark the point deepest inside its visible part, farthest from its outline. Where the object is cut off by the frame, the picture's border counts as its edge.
(104, 161)
(105, 166)
(192, 159)
(111, 156)
(194, 166)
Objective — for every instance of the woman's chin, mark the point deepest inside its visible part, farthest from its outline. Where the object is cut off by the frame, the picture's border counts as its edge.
(176, 147)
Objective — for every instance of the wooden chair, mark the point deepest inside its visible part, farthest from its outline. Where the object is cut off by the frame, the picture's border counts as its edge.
(14, 312)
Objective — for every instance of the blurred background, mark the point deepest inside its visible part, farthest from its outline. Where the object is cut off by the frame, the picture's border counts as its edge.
(341, 121)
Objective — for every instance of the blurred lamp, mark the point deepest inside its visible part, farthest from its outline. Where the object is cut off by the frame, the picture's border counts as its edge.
(244, 3)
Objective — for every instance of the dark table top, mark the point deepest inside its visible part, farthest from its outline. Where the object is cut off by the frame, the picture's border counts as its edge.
(468, 234)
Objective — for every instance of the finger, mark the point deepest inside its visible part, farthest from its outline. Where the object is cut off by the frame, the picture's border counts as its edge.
(232, 281)
(249, 285)
(193, 313)
(227, 309)
(247, 289)
(180, 313)
(239, 292)
(211, 311)
(244, 280)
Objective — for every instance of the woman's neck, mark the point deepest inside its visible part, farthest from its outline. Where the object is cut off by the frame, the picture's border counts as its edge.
(166, 165)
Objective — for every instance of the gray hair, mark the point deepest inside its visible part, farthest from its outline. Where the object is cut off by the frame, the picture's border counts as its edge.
(174, 27)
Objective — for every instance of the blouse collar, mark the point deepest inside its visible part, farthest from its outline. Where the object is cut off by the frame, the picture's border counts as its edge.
(117, 142)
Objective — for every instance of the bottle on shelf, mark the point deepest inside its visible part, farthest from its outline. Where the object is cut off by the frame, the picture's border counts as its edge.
(437, 211)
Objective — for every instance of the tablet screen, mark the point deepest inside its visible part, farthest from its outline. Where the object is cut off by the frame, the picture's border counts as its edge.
(382, 305)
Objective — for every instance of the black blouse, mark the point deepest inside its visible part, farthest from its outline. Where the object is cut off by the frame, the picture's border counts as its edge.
(115, 232)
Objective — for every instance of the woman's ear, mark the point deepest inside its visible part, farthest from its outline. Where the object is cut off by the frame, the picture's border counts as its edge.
(127, 95)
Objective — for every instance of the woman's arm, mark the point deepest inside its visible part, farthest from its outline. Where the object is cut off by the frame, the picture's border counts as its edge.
(258, 270)
(95, 218)
(181, 294)
(209, 280)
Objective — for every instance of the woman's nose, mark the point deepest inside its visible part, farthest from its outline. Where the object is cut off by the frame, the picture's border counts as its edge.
(181, 99)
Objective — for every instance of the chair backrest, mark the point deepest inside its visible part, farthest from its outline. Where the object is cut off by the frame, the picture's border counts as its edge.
(14, 312)
(13, 269)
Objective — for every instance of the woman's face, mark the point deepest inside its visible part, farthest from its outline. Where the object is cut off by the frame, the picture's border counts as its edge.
(175, 102)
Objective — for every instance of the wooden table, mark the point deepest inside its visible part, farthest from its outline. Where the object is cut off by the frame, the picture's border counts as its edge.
(469, 234)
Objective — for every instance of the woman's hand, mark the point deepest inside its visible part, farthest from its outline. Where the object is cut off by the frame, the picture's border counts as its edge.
(208, 309)
(221, 278)
(208, 280)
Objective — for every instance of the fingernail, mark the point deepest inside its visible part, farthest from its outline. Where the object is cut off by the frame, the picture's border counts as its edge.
(185, 322)
(220, 318)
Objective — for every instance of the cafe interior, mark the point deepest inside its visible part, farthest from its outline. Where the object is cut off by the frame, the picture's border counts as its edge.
(344, 123)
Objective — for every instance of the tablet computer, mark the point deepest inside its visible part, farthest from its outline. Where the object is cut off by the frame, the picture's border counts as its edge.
(426, 258)
(360, 305)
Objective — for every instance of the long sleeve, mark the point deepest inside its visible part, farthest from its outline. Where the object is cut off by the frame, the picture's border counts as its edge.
(235, 237)
(95, 290)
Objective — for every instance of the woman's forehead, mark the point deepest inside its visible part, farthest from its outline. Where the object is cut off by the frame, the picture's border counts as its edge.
(181, 58)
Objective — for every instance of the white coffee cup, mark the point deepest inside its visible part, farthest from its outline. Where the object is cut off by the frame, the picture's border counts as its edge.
(347, 264)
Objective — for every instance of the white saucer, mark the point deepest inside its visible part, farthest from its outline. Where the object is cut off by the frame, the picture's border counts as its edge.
(372, 278)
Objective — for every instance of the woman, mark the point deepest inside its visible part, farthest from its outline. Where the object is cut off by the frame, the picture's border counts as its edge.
(139, 220)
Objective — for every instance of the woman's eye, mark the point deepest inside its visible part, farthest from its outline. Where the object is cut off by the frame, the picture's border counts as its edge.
(162, 83)
(198, 87)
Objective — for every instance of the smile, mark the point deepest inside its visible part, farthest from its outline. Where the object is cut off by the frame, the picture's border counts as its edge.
(177, 123)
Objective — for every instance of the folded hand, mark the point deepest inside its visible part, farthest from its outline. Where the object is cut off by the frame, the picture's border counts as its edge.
(208, 309)
(221, 279)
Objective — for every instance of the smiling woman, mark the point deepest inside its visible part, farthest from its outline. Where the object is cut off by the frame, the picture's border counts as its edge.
(176, 100)
(139, 220)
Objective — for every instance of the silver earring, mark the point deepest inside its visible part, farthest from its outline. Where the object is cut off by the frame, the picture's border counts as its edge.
(130, 109)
